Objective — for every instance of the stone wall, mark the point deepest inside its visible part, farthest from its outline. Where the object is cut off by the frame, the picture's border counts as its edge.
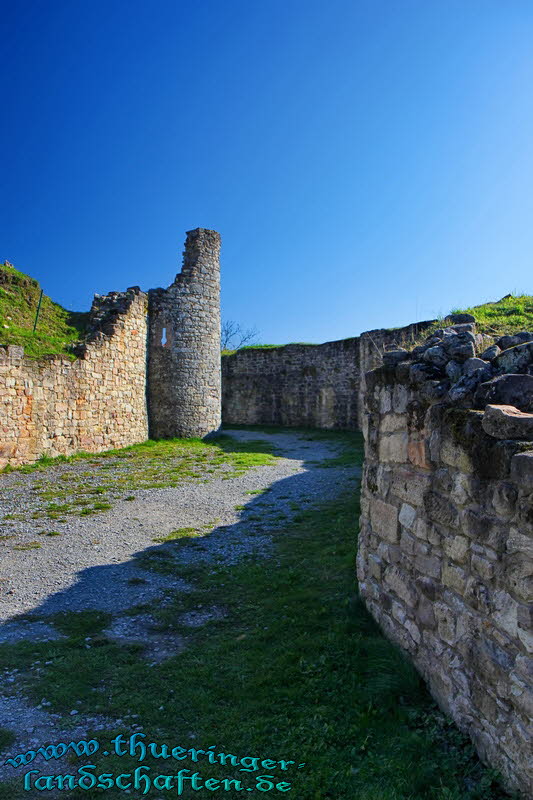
(184, 344)
(319, 386)
(54, 406)
(445, 559)
(298, 384)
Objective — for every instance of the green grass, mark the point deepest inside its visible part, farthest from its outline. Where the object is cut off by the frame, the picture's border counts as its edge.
(266, 347)
(57, 329)
(180, 533)
(508, 315)
(297, 670)
(153, 464)
(7, 737)
(27, 546)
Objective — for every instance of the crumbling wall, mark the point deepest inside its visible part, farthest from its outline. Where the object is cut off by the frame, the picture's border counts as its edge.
(445, 558)
(310, 385)
(54, 406)
(184, 344)
(319, 386)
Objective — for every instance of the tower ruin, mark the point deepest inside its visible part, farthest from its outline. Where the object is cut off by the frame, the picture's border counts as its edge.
(184, 385)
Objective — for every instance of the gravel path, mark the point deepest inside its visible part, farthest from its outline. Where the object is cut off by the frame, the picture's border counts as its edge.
(94, 563)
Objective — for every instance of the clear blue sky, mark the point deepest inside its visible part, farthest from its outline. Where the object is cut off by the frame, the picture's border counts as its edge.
(367, 162)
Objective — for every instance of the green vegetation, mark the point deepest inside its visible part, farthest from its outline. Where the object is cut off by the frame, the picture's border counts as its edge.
(295, 670)
(509, 315)
(63, 490)
(180, 533)
(265, 347)
(6, 738)
(57, 329)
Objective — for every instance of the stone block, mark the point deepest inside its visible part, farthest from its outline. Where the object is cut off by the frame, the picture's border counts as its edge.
(522, 469)
(482, 567)
(384, 519)
(391, 423)
(440, 509)
(407, 516)
(446, 623)
(425, 613)
(457, 547)
(428, 565)
(507, 422)
(393, 448)
(505, 613)
(400, 583)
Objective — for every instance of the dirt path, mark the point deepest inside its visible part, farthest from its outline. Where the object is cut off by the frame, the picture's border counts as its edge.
(96, 561)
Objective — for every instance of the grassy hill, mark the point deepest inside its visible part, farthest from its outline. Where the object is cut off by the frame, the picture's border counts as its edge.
(57, 328)
(511, 314)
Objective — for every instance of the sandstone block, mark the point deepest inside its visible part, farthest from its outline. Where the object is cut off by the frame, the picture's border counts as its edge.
(399, 582)
(393, 448)
(384, 519)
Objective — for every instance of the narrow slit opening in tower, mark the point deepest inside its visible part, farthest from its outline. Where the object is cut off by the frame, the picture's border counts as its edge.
(164, 337)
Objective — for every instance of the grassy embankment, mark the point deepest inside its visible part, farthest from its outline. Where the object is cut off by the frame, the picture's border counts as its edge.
(57, 329)
(296, 670)
(509, 315)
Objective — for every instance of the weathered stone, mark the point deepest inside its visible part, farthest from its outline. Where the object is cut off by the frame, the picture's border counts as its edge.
(384, 519)
(522, 469)
(507, 422)
(398, 581)
(473, 364)
(454, 577)
(454, 371)
(461, 347)
(393, 448)
(508, 390)
(393, 422)
(457, 548)
(407, 516)
(505, 342)
(491, 352)
(436, 355)
(393, 357)
(460, 318)
(515, 359)
(460, 577)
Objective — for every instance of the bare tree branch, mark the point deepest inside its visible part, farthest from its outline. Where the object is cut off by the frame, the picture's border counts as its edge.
(233, 336)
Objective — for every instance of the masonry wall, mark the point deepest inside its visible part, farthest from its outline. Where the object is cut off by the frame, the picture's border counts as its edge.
(55, 406)
(184, 344)
(298, 384)
(445, 557)
(319, 386)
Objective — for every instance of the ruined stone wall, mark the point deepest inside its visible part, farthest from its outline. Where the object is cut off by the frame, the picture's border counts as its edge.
(298, 384)
(55, 406)
(445, 558)
(184, 344)
(319, 386)
(372, 346)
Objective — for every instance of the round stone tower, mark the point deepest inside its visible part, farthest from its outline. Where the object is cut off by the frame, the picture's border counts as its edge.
(183, 391)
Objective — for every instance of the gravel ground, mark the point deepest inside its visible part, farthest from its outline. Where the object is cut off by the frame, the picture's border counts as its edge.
(94, 564)
(91, 565)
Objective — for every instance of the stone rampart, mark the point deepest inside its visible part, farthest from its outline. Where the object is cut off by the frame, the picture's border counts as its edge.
(318, 386)
(54, 406)
(298, 384)
(445, 559)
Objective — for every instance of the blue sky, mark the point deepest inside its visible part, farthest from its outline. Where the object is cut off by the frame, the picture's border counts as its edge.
(367, 163)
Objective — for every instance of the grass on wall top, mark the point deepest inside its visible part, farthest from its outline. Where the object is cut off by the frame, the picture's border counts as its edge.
(57, 328)
(511, 314)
